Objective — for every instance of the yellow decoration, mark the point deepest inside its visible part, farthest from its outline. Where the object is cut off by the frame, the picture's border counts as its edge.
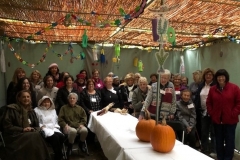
(135, 62)
(114, 59)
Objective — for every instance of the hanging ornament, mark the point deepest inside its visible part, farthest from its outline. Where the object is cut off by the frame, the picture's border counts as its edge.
(95, 57)
(171, 35)
(161, 57)
(84, 39)
(135, 62)
(117, 49)
(83, 56)
(140, 66)
(102, 56)
(114, 59)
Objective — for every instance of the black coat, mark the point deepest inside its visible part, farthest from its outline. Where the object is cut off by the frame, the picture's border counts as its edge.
(109, 97)
(62, 97)
(85, 100)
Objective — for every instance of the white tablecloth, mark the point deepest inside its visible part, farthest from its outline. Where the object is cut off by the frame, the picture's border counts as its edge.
(117, 136)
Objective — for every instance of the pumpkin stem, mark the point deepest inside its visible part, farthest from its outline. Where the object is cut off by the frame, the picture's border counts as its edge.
(164, 122)
(147, 114)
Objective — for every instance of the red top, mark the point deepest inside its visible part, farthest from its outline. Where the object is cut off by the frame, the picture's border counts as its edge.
(224, 106)
(60, 84)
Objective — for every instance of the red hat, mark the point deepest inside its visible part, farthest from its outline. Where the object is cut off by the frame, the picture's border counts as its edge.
(80, 76)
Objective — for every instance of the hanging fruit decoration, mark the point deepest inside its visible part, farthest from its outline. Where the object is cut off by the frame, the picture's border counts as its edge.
(145, 127)
(162, 137)
(117, 47)
(85, 39)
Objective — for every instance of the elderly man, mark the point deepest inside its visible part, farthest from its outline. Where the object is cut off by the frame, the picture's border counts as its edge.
(72, 118)
(167, 98)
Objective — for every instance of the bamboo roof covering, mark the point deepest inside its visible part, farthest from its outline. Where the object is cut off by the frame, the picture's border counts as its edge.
(194, 21)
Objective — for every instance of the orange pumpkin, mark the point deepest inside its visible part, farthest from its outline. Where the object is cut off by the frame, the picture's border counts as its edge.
(162, 138)
(145, 127)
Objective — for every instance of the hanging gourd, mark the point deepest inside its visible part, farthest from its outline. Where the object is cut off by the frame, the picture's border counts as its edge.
(95, 57)
(102, 56)
(162, 137)
(140, 66)
(135, 62)
(145, 127)
(84, 39)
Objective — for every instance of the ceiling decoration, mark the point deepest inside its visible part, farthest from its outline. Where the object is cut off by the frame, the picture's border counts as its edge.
(197, 21)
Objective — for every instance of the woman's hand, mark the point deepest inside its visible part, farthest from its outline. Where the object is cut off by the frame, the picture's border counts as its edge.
(90, 111)
(27, 129)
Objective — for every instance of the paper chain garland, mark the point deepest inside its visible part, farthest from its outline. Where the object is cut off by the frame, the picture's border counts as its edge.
(32, 65)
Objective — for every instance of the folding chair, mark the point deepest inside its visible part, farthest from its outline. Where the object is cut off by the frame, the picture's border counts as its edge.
(177, 126)
(2, 139)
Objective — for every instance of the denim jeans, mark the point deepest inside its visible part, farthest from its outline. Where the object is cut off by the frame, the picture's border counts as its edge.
(225, 133)
(207, 127)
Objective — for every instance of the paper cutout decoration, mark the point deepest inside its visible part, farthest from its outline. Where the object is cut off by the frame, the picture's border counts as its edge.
(84, 39)
(95, 57)
(83, 56)
(135, 62)
(161, 57)
(171, 35)
(117, 50)
(102, 57)
(114, 59)
(140, 66)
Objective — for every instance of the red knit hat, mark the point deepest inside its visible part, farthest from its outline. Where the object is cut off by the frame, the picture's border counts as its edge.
(80, 76)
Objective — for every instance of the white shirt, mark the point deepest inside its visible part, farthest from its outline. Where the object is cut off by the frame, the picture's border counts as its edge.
(203, 96)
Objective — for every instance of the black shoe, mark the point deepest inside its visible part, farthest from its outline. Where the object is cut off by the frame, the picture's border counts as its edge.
(82, 146)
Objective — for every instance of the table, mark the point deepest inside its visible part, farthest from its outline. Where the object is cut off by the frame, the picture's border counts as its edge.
(116, 134)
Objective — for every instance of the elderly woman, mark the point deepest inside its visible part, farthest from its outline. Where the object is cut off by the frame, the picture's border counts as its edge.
(21, 131)
(139, 95)
(48, 122)
(223, 106)
(73, 119)
(167, 98)
(126, 90)
(206, 122)
(137, 76)
(80, 83)
(98, 81)
(177, 82)
(110, 94)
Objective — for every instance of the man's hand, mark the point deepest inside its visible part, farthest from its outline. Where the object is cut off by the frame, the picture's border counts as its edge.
(27, 129)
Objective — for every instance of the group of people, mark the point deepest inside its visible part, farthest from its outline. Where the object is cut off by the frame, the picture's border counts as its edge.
(211, 104)
(48, 109)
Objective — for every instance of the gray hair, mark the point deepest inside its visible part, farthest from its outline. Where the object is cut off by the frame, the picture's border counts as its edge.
(73, 94)
(142, 79)
(166, 72)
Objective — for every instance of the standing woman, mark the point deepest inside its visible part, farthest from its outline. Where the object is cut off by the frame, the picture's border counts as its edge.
(62, 94)
(61, 83)
(19, 73)
(53, 71)
(25, 84)
(126, 90)
(48, 89)
(80, 83)
(84, 72)
(139, 95)
(223, 106)
(206, 122)
(36, 80)
(21, 131)
(98, 81)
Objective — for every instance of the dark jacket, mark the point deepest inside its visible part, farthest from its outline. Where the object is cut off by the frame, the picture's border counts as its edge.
(109, 97)
(85, 100)
(224, 106)
(62, 97)
(11, 93)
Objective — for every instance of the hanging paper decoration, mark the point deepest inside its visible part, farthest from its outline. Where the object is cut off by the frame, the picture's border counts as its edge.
(171, 35)
(83, 56)
(135, 62)
(102, 56)
(32, 65)
(84, 39)
(182, 66)
(140, 66)
(95, 57)
(114, 60)
(161, 57)
(117, 49)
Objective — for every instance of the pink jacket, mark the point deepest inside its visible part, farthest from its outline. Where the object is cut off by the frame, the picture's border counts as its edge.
(224, 106)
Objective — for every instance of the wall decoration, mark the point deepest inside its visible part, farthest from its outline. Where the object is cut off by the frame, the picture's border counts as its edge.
(140, 66)
(135, 62)
(85, 39)
(102, 56)
(95, 56)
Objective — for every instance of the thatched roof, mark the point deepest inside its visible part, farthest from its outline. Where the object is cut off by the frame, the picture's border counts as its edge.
(195, 22)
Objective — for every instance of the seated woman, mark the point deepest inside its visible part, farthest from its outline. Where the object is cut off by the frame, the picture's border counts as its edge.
(36, 80)
(21, 131)
(187, 115)
(139, 95)
(47, 117)
(80, 83)
(73, 119)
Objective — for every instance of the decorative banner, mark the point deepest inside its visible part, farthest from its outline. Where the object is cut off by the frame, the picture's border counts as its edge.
(161, 57)
(95, 57)
(32, 65)
(102, 56)
(135, 62)
(140, 66)
(182, 67)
